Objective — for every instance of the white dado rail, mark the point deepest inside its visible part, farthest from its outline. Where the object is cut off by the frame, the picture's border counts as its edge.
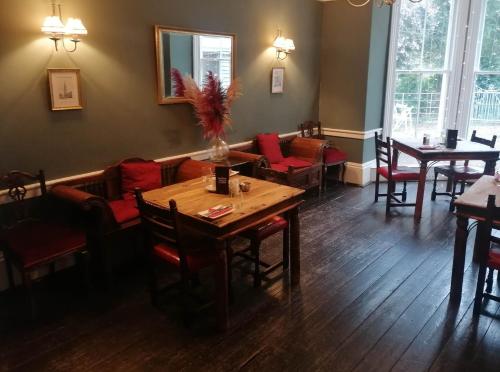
(354, 134)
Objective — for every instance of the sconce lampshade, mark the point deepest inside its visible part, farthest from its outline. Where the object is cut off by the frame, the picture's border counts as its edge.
(289, 44)
(280, 43)
(74, 26)
(53, 25)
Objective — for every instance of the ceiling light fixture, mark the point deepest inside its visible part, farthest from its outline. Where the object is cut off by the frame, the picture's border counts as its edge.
(380, 3)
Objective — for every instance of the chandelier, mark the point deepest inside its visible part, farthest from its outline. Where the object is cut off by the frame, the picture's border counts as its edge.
(366, 2)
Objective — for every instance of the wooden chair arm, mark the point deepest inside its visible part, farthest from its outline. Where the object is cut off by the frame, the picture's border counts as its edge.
(309, 149)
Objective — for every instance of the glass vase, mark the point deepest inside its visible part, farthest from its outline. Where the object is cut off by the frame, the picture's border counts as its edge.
(219, 149)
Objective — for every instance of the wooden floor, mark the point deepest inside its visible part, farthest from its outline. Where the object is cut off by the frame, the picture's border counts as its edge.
(373, 297)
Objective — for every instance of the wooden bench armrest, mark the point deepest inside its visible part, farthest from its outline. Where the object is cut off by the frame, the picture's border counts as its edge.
(258, 159)
(94, 204)
(309, 149)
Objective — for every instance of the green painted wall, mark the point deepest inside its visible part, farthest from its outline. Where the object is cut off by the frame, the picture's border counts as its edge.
(121, 117)
(353, 73)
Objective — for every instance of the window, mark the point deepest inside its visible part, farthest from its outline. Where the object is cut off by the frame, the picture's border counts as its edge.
(444, 68)
(214, 54)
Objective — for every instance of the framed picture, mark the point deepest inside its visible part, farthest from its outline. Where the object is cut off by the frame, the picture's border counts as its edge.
(64, 86)
(277, 79)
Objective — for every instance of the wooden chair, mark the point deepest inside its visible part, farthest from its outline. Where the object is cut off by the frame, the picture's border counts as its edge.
(332, 157)
(31, 237)
(488, 258)
(459, 174)
(393, 175)
(258, 234)
(167, 244)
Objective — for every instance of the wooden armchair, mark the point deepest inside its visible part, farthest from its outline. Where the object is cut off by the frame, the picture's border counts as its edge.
(292, 160)
(332, 156)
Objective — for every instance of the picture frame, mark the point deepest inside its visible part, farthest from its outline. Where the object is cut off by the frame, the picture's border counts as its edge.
(277, 80)
(65, 89)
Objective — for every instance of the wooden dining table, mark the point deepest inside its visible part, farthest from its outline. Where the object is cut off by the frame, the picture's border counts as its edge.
(465, 150)
(264, 200)
(470, 205)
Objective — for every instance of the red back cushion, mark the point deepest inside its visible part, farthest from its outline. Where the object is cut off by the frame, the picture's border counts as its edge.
(146, 176)
(269, 146)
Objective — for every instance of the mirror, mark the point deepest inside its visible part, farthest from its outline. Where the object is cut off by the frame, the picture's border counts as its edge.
(191, 52)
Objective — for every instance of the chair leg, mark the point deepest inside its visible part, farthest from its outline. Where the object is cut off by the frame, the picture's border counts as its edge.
(153, 283)
(324, 171)
(343, 173)
(30, 299)
(403, 195)
(186, 318)
(462, 187)
(84, 257)
(377, 186)
(255, 249)
(453, 194)
(388, 199)
(478, 300)
(489, 280)
(434, 187)
(10, 274)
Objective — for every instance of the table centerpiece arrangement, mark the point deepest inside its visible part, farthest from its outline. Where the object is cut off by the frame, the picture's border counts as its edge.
(212, 107)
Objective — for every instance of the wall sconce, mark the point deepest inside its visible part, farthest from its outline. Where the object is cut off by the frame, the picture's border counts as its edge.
(55, 28)
(283, 46)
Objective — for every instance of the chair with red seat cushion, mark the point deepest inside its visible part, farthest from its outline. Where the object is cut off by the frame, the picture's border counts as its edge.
(291, 160)
(460, 173)
(167, 244)
(256, 235)
(392, 174)
(489, 254)
(32, 238)
(332, 157)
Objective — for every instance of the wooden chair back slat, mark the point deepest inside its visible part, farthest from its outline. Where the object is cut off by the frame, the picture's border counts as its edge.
(491, 143)
(16, 184)
(161, 225)
(311, 129)
(383, 152)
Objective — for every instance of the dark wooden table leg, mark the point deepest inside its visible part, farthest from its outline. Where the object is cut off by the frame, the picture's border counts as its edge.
(295, 246)
(457, 274)
(221, 286)
(449, 180)
(489, 167)
(421, 190)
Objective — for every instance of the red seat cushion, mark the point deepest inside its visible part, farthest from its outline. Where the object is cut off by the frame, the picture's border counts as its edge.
(400, 174)
(195, 260)
(460, 172)
(494, 259)
(38, 242)
(269, 146)
(124, 210)
(290, 161)
(144, 175)
(331, 155)
(266, 229)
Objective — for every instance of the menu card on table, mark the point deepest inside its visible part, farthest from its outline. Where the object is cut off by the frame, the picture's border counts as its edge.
(222, 180)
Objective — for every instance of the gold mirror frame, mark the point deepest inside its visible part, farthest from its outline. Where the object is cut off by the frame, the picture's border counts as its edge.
(160, 80)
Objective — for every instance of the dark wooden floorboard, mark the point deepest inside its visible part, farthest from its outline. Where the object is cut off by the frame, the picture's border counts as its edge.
(373, 297)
